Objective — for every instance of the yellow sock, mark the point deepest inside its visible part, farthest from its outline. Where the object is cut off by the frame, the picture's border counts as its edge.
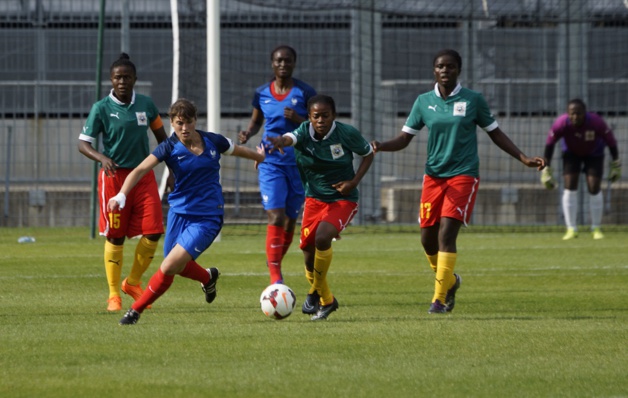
(309, 275)
(144, 253)
(433, 260)
(322, 261)
(445, 278)
(113, 267)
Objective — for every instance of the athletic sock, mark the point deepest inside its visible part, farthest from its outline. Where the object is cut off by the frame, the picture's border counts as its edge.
(596, 206)
(195, 272)
(432, 259)
(322, 261)
(114, 255)
(309, 275)
(570, 208)
(287, 241)
(445, 278)
(144, 253)
(157, 285)
(274, 251)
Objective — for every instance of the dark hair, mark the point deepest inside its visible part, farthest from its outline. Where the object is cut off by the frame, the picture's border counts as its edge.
(577, 101)
(184, 108)
(321, 99)
(123, 60)
(450, 52)
(283, 47)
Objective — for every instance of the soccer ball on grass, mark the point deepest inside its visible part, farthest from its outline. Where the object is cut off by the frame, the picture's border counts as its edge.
(277, 301)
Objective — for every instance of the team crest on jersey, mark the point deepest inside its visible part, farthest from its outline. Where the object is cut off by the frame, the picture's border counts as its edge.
(294, 101)
(460, 108)
(265, 198)
(212, 153)
(142, 120)
(336, 151)
(589, 135)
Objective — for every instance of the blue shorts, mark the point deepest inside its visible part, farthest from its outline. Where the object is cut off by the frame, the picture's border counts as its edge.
(194, 233)
(281, 188)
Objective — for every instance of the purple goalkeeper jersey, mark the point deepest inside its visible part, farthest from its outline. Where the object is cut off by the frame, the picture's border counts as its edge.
(588, 139)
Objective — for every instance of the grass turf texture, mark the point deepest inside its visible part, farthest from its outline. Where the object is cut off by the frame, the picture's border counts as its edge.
(535, 316)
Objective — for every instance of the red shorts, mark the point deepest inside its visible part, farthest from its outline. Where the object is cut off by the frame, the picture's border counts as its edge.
(339, 214)
(452, 197)
(142, 213)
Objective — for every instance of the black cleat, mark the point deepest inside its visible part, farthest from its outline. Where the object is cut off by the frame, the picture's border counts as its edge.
(437, 308)
(130, 318)
(324, 311)
(450, 299)
(210, 287)
(311, 303)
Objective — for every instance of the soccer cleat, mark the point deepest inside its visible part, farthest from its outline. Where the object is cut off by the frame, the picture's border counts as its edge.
(437, 308)
(114, 304)
(134, 291)
(570, 234)
(597, 233)
(310, 305)
(324, 311)
(210, 287)
(450, 299)
(130, 318)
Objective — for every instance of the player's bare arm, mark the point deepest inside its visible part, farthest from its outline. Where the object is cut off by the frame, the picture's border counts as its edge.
(255, 124)
(345, 187)
(396, 144)
(505, 144)
(108, 165)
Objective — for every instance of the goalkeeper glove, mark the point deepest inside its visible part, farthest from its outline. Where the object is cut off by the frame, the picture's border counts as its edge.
(547, 179)
(615, 173)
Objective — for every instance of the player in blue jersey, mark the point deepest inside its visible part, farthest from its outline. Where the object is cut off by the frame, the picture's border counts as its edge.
(451, 114)
(196, 203)
(123, 118)
(282, 103)
(583, 136)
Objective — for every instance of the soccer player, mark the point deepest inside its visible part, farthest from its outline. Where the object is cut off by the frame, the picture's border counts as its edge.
(282, 104)
(196, 203)
(584, 136)
(452, 114)
(324, 150)
(123, 118)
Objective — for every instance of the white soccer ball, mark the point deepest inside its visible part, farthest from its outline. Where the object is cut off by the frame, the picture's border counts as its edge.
(277, 301)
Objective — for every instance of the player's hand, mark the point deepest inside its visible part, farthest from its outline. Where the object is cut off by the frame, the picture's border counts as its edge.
(109, 166)
(290, 114)
(243, 136)
(547, 179)
(615, 172)
(261, 151)
(375, 145)
(344, 187)
(117, 202)
(277, 144)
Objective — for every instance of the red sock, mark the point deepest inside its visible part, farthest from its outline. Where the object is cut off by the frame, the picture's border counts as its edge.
(287, 241)
(157, 285)
(274, 250)
(194, 271)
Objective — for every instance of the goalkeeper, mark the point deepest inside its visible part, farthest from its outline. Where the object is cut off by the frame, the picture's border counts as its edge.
(584, 136)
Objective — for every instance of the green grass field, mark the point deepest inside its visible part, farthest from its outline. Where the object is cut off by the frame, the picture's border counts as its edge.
(535, 317)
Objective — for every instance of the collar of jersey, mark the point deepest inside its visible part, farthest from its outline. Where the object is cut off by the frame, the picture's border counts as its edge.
(331, 130)
(456, 90)
(117, 101)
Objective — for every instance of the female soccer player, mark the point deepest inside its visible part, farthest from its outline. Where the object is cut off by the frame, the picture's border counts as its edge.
(282, 103)
(196, 203)
(123, 118)
(451, 114)
(584, 136)
(324, 151)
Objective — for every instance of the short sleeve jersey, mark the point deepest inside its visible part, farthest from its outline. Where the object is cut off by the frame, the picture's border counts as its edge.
(124, 128)
(587, 139)
(328, 161)
(452, 147)
(197, 189)
(272, 107)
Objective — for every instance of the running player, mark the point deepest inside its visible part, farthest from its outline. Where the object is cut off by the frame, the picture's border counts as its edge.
(196, 203)
(324, 151)
(584, 136)
(450, 184)
(282, 103)
(123, 118)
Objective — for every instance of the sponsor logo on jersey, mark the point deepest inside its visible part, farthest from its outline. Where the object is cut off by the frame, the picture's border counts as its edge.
(114, 115)
(142, 120)
(432, 107)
